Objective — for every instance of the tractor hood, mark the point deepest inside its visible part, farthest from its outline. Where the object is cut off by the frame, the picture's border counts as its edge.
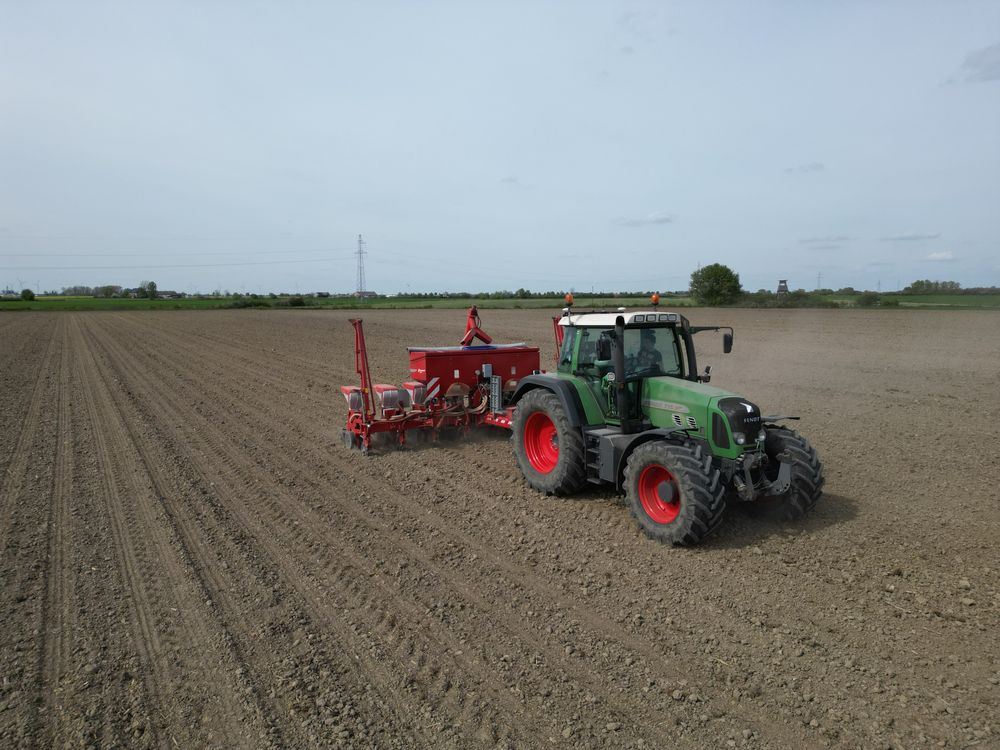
(704, 410)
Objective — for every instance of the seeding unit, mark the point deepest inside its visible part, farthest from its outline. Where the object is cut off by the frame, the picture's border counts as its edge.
(460, 386)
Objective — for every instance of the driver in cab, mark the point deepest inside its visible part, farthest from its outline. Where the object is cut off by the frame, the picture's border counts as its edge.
(648, 357)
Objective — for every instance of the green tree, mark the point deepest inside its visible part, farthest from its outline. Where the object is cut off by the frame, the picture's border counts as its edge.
(926, 286)
(715, 284)
(27, 295)
(151, 289)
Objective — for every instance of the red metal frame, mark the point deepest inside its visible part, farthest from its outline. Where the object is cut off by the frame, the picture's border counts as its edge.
(361, 365)
(449, 381)
(472, 329)
(560, 334)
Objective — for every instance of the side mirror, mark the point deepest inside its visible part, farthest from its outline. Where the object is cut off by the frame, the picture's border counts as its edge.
(604, 348)
(727, 342)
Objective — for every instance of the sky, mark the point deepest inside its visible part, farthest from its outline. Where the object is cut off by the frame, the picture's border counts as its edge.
(479, 146)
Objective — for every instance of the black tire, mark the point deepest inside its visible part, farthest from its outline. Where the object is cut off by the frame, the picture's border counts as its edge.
(673, 492)
(807, 477)
(548, 449)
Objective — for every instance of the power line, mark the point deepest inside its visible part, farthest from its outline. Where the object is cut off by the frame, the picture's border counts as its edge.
(348, 252)
(170, 265)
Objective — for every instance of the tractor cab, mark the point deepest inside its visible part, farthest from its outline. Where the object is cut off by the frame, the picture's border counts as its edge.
(640, 369)
(652, 343)
(648, 344)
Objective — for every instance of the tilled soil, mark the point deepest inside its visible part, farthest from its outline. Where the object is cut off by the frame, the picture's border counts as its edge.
(190, 557)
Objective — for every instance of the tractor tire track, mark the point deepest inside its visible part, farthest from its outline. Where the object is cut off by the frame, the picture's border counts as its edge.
(522, 581)
(142, 547)
(24, 543)
(476, 597)
(303, 583)
(427, 598)
(57, 622)
(344, 583)
(14, 475)
(193, 552)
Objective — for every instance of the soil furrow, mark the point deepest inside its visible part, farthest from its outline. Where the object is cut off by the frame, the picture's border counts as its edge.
(14, 476)
(547, 600)
(58, 615)
(665, 662)
(555, 653)
(182, 564)
(166, 627)
(191, 558)
(350, 576)
(317, 605)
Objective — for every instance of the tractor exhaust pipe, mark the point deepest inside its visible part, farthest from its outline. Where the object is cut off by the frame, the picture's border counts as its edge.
(618, 359)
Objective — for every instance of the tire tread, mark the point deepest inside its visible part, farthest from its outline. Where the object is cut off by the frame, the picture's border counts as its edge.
(702, 492)
(570, 473)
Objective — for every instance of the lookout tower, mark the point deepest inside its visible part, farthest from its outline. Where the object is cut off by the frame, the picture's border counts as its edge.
(782, 286)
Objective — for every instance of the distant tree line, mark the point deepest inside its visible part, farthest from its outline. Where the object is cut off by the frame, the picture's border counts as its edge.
(926, 286)
(714, 284)
(527, 294)
(108, 290)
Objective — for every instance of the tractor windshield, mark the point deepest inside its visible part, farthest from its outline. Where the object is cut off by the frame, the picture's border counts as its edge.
(650, 352)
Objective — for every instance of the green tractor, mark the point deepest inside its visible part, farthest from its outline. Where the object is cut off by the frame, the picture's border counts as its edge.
(627, 406)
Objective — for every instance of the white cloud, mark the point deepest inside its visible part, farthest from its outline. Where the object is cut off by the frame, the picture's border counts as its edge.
(655, 218)
(832, 239)
(910, 237)
(944, 255)
(982, 65)
(813, 166)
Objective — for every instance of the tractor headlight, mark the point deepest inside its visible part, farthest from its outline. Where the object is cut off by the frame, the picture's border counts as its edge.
(761, 436)
(740, 438)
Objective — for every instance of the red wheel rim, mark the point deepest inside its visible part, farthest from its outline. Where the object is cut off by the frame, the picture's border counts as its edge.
(659, 494)
(541, 442)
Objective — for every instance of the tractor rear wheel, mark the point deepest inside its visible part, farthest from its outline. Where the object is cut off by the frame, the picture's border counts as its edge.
(807, 477)
(548, 449)
(674, 492)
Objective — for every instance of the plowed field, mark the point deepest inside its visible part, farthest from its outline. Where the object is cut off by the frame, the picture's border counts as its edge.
(190, 558)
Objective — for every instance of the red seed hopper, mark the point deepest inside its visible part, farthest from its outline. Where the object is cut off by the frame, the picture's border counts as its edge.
(460, 386)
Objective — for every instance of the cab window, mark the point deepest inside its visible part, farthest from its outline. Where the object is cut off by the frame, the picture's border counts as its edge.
(587, 356)
(566, 352)
(651, 351)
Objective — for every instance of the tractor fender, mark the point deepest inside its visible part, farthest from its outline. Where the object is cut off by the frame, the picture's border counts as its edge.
(678, 437)
(566, 393)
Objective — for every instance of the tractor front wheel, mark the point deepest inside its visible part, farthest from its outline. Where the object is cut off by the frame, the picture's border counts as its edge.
(548, 449)
(807, 476)
(674, 492)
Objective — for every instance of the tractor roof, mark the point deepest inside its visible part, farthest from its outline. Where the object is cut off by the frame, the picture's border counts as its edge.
(607, 319)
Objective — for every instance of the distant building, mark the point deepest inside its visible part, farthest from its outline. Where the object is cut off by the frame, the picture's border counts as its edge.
(366, 295)
(782, 286)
